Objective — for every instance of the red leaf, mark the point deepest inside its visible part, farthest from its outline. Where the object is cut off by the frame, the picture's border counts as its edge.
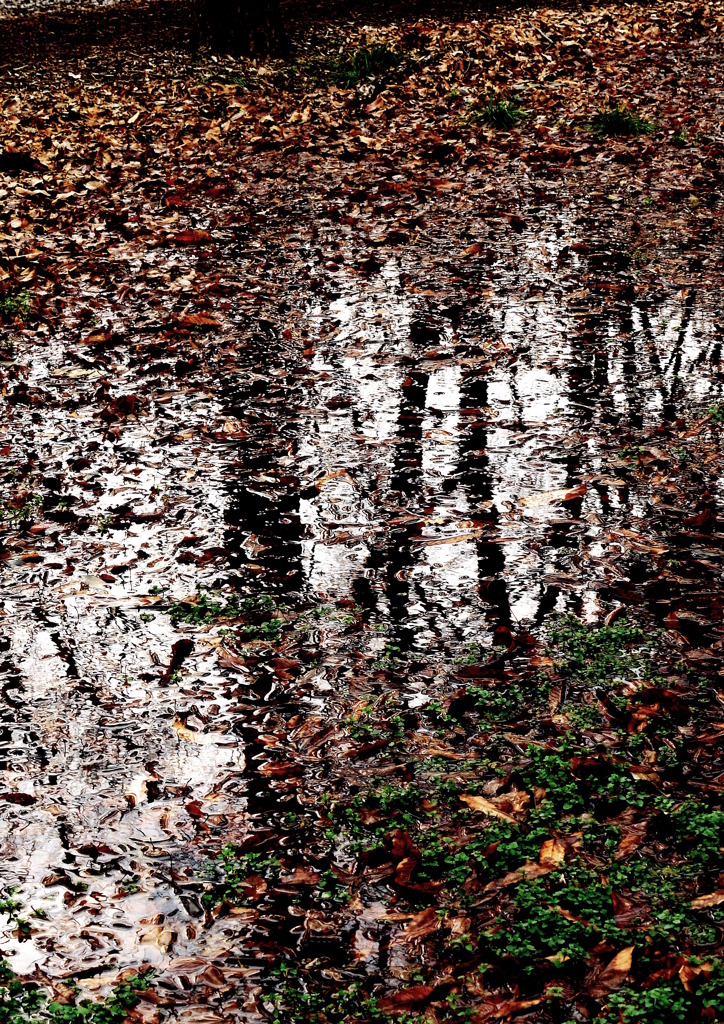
(192, 237)
(405, 998)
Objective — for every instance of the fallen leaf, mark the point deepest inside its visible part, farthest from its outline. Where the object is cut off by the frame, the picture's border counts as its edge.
(552, 854)
(192, 237)
(713, 899)
(421, 925)
(405, 998)
(560, 496)
(159, 935)
(528, 870)
(613, 975)
(507, 1008)
(689, 973)
(193, 735)
(479, 803)
(199, 320)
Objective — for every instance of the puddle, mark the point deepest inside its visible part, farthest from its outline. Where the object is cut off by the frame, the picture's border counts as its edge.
(446, 478)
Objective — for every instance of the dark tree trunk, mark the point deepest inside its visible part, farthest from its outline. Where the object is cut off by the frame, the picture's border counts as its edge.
(245, 26)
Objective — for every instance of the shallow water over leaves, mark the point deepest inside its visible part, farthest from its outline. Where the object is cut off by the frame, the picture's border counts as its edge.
(301, 466)
(453, 478)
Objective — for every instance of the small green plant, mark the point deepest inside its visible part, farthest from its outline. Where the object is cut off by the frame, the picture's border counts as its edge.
(25, 513)
(668, 1000)
(596, 655)
(259, 611)
(390, 658)
(129, 885)
(641, 258)
(368, 61)
(499, 113)
(331, 890)
(680, 138)
(619, 120)
(437, 712)
(631, 451)
(474, 653)
(13, 908)
(374, 60)
(582, 716)
(245, 79)
(230, 871)
(270, 630)
(504, 704)
(681, 454)
(14, 307)
(28, 1003)
(716, 412)
(364, 727)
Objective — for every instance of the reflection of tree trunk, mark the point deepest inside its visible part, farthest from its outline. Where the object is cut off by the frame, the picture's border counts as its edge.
(407, 468)
(263, 522)
(670, 413)
(264, 529)
(406, 477)
(475, 473)
(668, 395)
(245, 26)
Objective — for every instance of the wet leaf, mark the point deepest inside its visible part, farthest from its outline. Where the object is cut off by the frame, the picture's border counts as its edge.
(420, 926)
(405, 999)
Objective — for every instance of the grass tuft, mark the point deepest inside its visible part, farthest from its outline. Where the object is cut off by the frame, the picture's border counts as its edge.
(499, 113)
(619, 120)
(366, 62)
(14, 307)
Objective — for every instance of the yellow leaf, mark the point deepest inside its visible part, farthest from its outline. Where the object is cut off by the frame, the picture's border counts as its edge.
(713, 899)
(552, 853)
(479, 803)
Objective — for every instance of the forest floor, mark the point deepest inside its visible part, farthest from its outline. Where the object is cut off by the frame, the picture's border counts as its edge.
(361, 618)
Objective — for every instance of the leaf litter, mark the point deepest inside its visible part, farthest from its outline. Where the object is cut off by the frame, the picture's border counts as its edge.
(360, 535)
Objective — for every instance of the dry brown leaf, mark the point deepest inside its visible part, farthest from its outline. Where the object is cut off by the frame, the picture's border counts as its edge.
(713, 899)
(631, 841)
(688, 973)
(302, 876)
(502, 1011)
(334, 474)
(192, 237)
(613, 975)
(527, 871)
(158, 935)
(552, 854)
(193, 735)
(479, 803)
(458, 538)
(199, 320)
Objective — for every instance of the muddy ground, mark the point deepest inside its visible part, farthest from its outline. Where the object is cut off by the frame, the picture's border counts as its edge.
(361, 437)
